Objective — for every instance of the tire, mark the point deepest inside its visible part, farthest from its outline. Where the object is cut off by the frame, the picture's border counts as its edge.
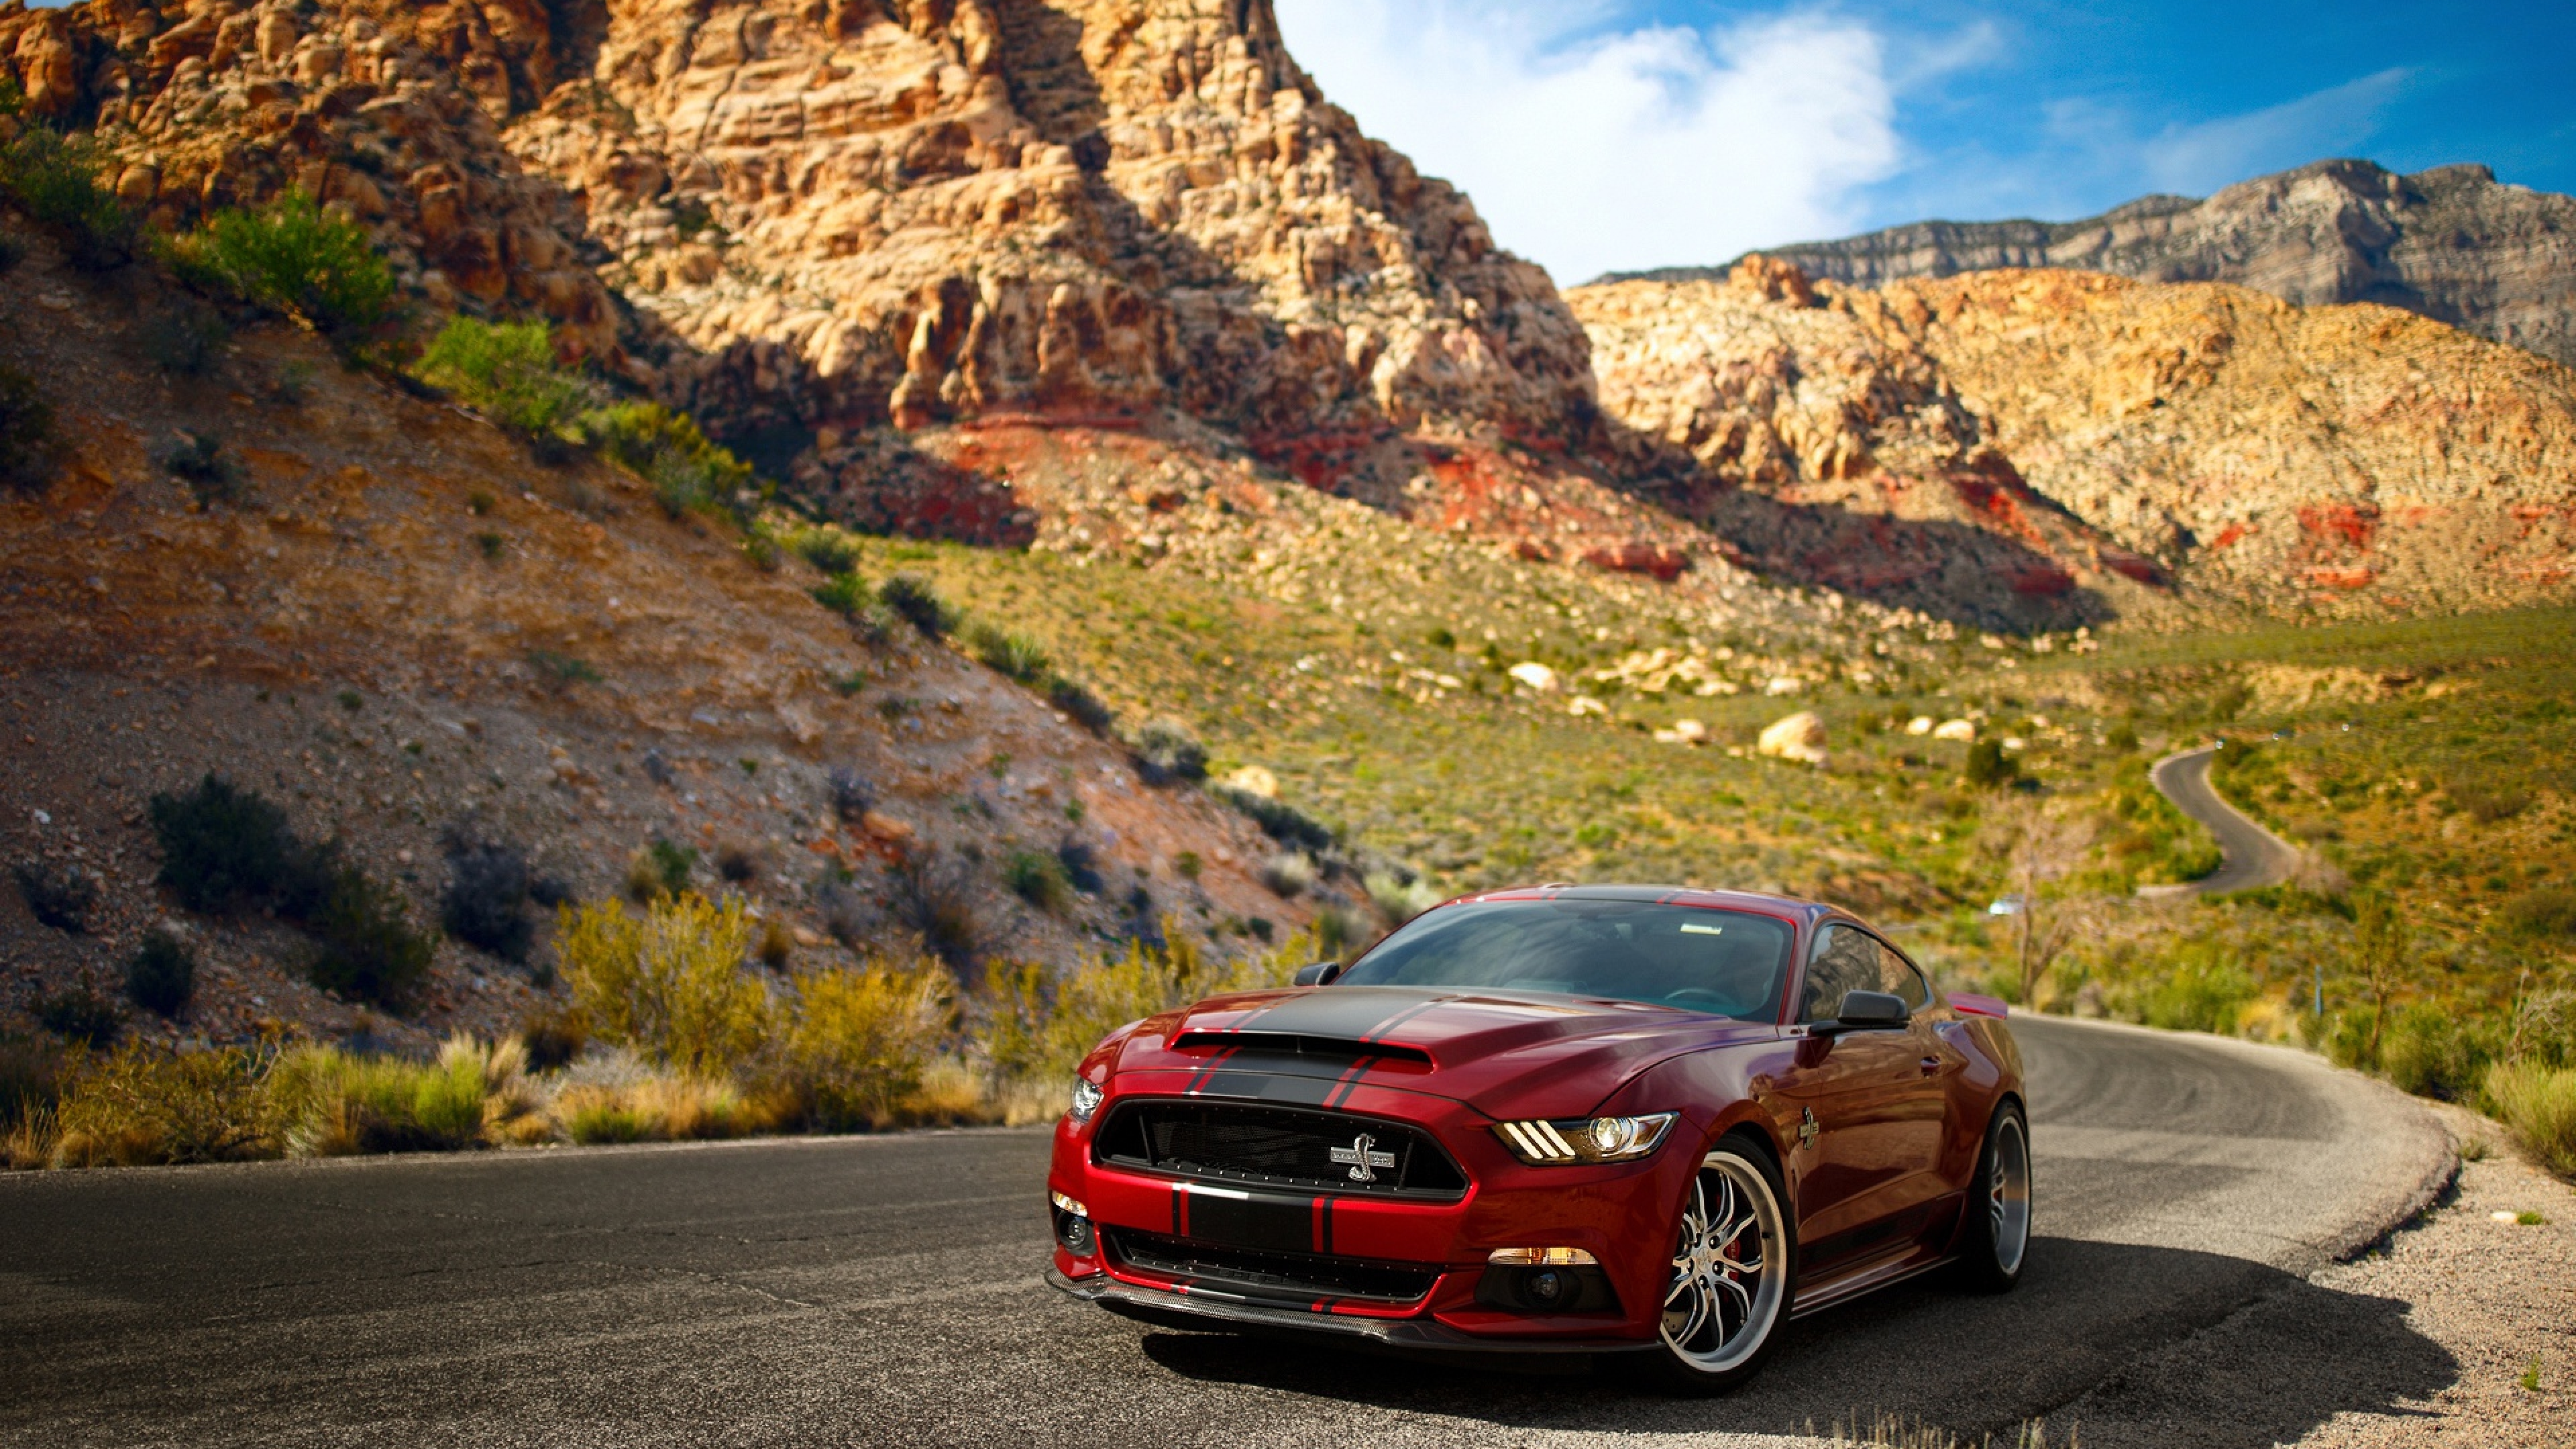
(1734, 1252)
(1994, 1242)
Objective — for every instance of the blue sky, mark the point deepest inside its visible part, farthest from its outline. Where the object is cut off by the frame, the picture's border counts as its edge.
(1598, 134)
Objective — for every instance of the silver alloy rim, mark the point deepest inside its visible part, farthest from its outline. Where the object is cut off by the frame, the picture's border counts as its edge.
(2008, 1194)
(1727, 1268)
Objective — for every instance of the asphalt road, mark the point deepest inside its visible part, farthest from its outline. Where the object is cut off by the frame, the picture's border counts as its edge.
(885, 1291)
(2251, 857)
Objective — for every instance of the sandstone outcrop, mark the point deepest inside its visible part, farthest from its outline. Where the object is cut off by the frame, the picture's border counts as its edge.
(2450, 243)
(2350, 457)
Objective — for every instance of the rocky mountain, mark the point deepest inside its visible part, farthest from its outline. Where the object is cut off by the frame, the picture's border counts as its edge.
(2344, 459)
(2451, 243)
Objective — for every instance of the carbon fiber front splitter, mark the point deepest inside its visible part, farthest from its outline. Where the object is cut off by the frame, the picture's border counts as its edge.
(1207, 1311)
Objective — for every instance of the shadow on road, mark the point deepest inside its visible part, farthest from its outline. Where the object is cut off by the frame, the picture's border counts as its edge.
(2087, 1314)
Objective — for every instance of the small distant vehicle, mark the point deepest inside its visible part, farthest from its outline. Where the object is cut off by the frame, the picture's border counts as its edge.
(1649, 1123)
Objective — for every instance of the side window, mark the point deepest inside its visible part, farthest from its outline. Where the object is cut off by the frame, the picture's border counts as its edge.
(1845, 961)
(1898, 976)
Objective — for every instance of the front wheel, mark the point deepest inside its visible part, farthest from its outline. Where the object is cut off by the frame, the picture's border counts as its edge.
(1726, 1300)
(1996, 1237)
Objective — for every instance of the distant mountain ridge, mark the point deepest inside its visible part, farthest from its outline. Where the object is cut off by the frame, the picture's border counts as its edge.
(2450, 243)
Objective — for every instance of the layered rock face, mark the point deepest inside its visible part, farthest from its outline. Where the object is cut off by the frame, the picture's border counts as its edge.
(844, 212)
(2354, 457)
(2450, 243)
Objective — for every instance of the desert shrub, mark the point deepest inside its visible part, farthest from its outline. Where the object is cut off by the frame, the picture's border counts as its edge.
(863, 1039)
(912, 597)
(1080, 705)
(161, 977)
(1081, 867)
(1289, 874)
(844, 594)
(54, 180)
(669, 983)
(2201, 989)
(2545, 914)
(1039, 879)
(295, 257)
(560, 672)
(2123, 738)
(2539, 1103)
(507, 372)
(485, 903)
(777, 944)
(185, 340)
(2487, 800)
(1278, 819)
(736, 863)
(28, 447)
(688, 472)
(1398, 897)
(553, 1039)
(197, 459)
(931, 895)
(2431, 1052)
(30, 1077)
(330, 1103)
(2543, 1029)
(1041, 1025)
(1989, 767)
(365, 948)
(852, 794)
(659, 1108)
(57, 897)
(826, 549)
(79, 1014)
(1014, 655)
(660, 868)
(12, 251)
(140, 1106)
(1166, 751)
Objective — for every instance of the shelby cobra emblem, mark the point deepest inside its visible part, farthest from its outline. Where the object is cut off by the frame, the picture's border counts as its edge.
(1362, 1162)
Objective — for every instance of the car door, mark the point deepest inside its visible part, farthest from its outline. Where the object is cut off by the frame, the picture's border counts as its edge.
(1862, 1093)
(1919, 1126)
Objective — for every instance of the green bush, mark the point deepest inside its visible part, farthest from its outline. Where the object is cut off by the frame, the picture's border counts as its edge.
(28, 447)
(60, 898)
(186, 341)
(507, 372)
(687, 472)
(863, 1040)
(224, 848)
(1989, 767)
(1166, 750)
(2539, 1104)
(2203, 991)
(293, 256)
(913, 597)
(140, 1106)
(670, 983)
(827, 550)
(330, 1103)
(1080, 705)
(2546, 914)
(162, 976)
(1038, 878)
(1278, 819)
(2429, 1051)
(485, 904)
(54, 180)
(844, 594)
(367, 949)
(79, 1014)
(1015, 655)
(198, 460)
(2488, 800)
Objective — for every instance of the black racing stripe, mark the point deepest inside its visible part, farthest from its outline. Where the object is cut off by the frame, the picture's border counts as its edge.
(1208, 1070)
(1299, 1091)
(1350, 1082)
(1345, 1012)
(1378, 1032)
(1180, 1211)
(1324, 1225)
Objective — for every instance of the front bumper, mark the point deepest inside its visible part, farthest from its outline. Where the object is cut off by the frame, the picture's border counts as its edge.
(1204, 1310)
(1623, 1215)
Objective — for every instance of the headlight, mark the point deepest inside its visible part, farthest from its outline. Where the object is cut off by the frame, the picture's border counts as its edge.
(1573, 1140)
(1086, 1099)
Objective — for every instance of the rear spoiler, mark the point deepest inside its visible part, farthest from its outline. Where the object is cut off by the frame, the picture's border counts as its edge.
(1975, 1005)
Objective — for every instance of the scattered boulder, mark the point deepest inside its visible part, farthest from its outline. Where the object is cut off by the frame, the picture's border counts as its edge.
(1799, 737)
(1254, 780)
(1921, 724)
(1536, 675)
(1955, 729)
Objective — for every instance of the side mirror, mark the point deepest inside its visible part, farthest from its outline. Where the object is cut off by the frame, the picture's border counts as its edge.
(1323, 972)
(1871, 1011)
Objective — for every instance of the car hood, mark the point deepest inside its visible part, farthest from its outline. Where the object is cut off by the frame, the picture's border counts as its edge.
(1507, 1054)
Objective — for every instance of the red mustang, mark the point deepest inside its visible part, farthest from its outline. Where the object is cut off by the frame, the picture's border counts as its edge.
(1641, 1121)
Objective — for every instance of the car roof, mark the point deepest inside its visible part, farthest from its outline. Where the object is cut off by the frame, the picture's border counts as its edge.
(1805, 912)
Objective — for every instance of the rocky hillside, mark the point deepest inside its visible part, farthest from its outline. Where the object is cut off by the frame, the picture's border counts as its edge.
(2451, 243)
(2345, 459)
(378, 612)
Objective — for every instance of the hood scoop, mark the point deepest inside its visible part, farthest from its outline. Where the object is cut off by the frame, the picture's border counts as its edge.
(1297, 1044)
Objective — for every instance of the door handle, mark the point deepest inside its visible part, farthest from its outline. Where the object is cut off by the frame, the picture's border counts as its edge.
(1931, 1066)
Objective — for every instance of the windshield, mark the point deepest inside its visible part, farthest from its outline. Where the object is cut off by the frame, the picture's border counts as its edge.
(1730, 963)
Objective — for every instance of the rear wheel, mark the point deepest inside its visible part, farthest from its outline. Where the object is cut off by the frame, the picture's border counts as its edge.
(1726, 1299)
(1996, 1237)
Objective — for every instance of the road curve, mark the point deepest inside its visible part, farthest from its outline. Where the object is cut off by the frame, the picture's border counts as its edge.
(2251, 857)
(885, 1291)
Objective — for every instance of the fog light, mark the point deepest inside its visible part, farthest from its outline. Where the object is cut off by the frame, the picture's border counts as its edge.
(1547, 1286)
(1532, 1257)
(1073, 1225)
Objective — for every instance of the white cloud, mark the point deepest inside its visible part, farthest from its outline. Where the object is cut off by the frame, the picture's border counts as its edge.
(2205, 156)
(1589, 147)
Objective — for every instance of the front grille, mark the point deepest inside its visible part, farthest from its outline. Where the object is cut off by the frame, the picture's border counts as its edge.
(1277, 1146)
(1286, 1277)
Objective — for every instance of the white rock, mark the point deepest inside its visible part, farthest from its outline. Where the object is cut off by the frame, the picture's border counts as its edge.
(1799, 737)
(1254, 780)
(1921, 724)
(1955, 729)
(1536, 675)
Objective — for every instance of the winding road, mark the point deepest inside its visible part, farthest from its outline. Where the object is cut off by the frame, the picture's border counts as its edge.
(2250, 856)
(885, 1290)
